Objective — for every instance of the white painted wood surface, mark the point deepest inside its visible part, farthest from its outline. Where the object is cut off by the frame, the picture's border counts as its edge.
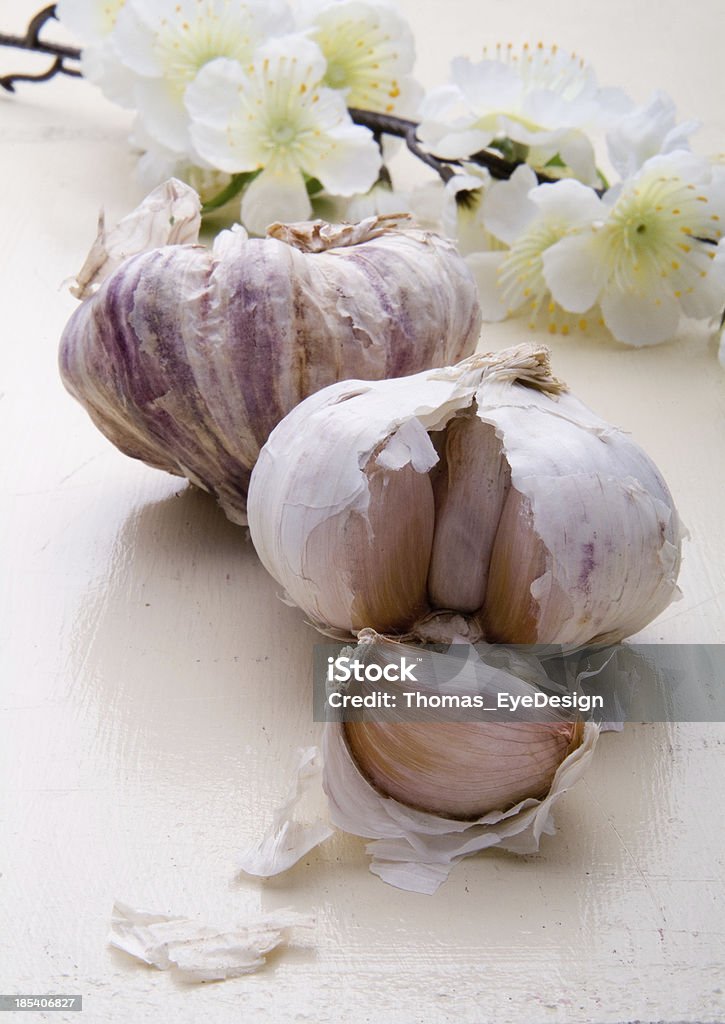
(155, 689)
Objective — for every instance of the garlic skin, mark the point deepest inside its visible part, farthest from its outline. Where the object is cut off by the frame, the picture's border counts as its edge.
(186, 357)
(585, 541)
(494, 784)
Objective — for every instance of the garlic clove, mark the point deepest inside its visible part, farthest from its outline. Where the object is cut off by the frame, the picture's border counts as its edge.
(595, 539)
(374, 561)
(461, 770)
(470, 492)
(509, 613)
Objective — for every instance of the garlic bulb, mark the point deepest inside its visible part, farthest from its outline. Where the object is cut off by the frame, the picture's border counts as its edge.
(186, 357)
(483, 490)
(431, 793)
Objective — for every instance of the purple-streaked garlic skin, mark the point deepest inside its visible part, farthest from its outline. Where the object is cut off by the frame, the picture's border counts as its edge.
(187, 357)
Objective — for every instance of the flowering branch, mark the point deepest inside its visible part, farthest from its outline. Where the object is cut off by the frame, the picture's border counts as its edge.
(32, 41)
(379, 124)
(290, 100)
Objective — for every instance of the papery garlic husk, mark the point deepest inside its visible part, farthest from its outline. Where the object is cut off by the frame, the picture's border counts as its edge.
(431, 793)
(186, 357)
(482, 494)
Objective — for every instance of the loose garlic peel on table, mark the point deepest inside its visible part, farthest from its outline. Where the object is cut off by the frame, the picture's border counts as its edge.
(480, 500)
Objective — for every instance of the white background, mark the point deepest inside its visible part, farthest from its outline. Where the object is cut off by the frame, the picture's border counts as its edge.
(155, 689)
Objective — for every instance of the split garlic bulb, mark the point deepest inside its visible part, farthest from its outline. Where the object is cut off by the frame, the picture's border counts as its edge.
(430, 793)
(186, 357)
(481, 498)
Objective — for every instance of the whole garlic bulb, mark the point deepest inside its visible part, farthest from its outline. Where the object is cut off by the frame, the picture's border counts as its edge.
(484, 490)
(186, 357)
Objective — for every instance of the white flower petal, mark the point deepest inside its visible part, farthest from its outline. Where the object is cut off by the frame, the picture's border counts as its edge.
(346, 160)
(488, 85)
(569, 201)
(575, 272)
(457, 145)
(577, 152)
(163, 118)
(639, 319)
(484, 267)
(212, 96)
(680, 164)
(90, 20)
(379, 201)
(462, 215)
(100, 65)
(441, 106)
(645, 132)
(613, 104)
(426, 204)
(507, 208)
(277, 194)
(707, 298)
(134, 39)
(213, 102)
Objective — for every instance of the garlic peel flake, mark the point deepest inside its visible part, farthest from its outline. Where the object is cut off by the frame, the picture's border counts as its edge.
(197, 952)
(287, 840)
(170, 215)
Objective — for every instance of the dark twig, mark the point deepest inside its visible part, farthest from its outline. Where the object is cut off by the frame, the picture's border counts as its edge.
(32, 41)
(498, 166)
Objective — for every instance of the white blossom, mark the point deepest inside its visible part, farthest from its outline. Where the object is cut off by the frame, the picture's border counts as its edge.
(645, 132)
(462, 215)
(528, 218)
(369, 50)
(543, 99)
(163, 45)
(275, 116)
(652, 256)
